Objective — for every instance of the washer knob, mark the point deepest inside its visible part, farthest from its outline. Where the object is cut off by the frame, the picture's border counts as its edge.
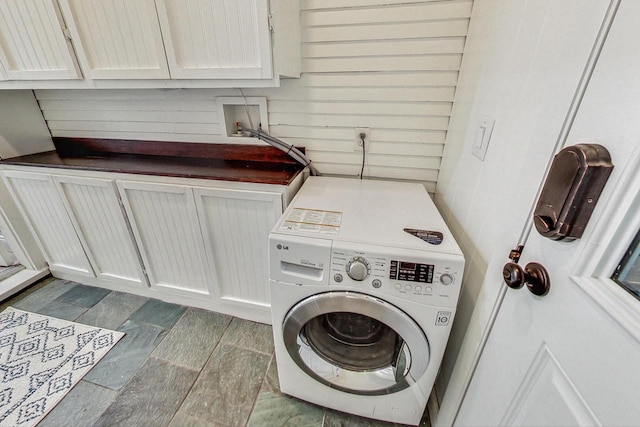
(358, 269)
(446, 279)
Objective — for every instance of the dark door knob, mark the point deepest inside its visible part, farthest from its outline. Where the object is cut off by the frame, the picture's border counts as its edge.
(534, 275)
(537, 278)
(513, 275)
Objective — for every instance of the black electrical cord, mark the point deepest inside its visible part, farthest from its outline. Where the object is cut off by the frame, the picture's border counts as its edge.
(362, 138)
(283, 146)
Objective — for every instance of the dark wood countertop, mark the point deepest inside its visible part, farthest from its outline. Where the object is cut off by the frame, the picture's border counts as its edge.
(243, 163)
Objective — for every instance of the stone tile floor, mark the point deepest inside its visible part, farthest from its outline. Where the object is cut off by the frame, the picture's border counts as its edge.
(176, 366)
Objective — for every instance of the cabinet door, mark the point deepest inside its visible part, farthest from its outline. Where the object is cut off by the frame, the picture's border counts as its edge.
(236, 226)
(227, 39)
(42, 206)
(32, 42)
(165, 225)
(116, 39)
(95, 211)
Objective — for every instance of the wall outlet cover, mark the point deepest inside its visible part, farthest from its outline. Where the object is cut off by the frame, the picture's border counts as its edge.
(358, 141)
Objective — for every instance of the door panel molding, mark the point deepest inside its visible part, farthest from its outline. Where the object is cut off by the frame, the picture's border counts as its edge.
(545, 368)
(618, 224)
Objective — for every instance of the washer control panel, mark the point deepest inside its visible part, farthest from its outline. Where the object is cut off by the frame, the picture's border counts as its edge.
(407, 275)
(411, 271)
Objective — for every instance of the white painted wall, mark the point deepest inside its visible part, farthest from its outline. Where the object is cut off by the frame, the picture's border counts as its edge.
(388, 65)
(522, 65)
(22, 129)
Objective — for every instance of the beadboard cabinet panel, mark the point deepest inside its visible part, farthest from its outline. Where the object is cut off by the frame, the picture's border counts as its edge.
(216, 38)
(165, 225)
(116, 39)
(94, 209)
(236, 225)
(42, 207)
(32, 42)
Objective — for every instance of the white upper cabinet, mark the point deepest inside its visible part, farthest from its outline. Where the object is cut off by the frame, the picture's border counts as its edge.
(216, 39)
(116, 39)
(33, 45)
(131, 44)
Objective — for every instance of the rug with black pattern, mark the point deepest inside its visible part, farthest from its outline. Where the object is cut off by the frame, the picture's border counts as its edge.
(41, 359)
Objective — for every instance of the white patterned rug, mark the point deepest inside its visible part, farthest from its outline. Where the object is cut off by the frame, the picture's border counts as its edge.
(41, 359)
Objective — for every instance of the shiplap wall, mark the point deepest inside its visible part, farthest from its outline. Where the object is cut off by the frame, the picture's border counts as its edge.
(388, 65)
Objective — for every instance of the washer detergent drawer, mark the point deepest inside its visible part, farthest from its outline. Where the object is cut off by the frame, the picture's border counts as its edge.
(299, 260)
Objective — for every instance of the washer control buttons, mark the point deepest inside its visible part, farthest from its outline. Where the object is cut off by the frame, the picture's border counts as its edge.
(418, 288)
(428, 290)
(338, 277)
(398, 286)
(358, 268)
(407, 287)
(376, 283)
(446, 279)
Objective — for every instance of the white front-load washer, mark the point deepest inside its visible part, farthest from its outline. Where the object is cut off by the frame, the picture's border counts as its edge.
(365, 278)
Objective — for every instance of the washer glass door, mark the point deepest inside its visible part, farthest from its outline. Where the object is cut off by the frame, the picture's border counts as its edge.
(356, 343)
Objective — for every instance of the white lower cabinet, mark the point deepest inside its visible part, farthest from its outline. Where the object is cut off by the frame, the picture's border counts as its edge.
(79, 224)
(235, 226)
(179, 240)
(42, 206)
(165, 225)
(95, 211)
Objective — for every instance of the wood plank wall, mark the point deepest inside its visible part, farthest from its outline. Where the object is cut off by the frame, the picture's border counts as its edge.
(388, 65)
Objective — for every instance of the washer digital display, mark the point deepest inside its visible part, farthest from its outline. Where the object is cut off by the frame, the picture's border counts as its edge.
(411, 272)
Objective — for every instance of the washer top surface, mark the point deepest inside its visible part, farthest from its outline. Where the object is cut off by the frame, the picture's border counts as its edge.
(366, 211)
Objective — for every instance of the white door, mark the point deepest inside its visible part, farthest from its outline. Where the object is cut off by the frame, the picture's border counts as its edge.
(33, 45)
(95, 211)
(571, 357)
(216, 39)
(236, 225)
(41, 205)
(165, 225)
(116, 39)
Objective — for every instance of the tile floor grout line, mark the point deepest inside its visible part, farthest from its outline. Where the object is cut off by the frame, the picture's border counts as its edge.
(213, 350)
(249, 349)
(185, 395)
(264, 378)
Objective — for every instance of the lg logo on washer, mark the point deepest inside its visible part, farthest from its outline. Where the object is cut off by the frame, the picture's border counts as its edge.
(281, 247)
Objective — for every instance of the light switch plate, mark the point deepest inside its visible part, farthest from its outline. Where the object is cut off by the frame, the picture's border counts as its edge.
(482, 136)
